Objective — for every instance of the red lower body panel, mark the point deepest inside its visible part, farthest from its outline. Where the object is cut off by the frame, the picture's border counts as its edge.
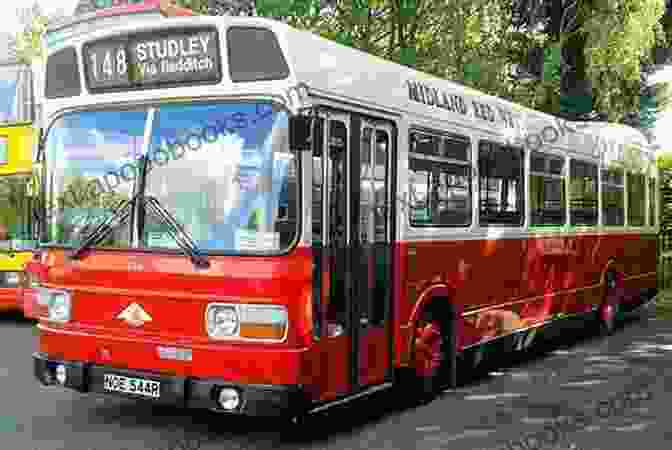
(241, 364)
(9, 299)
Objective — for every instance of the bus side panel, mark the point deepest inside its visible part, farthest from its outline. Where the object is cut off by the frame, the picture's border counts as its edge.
(483, 273)
(501, 295)
(547, 277)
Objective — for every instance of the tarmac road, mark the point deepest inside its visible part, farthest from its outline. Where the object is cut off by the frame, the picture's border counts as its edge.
(584, 393)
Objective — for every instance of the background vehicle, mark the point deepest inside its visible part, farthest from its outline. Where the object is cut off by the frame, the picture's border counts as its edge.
(274, 234)
(18, 138)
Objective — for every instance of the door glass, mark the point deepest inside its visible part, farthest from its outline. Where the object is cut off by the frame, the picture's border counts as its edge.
(373, 225)
(381, 234)
(337, 138)
(318, 227)
(364, 270)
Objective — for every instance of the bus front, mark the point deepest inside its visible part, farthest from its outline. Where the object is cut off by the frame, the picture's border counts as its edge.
(173, 265)
(17, 139)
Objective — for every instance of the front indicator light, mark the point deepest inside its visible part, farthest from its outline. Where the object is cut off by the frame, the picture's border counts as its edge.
(263, 322)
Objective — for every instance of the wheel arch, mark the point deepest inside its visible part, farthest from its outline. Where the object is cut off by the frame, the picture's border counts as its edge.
(439, 296)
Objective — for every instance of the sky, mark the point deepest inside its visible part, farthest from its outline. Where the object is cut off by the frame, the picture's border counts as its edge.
(9, 19)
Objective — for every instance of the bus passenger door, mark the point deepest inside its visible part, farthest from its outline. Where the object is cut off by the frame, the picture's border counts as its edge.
(331, 234)
(372, 256)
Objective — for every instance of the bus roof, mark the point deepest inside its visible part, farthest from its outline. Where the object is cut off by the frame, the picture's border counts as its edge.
(131, 14)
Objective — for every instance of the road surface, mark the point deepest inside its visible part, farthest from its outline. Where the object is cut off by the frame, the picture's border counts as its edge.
(585, 393)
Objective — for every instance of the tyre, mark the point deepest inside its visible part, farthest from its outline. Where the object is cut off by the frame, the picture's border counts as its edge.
(435, 362)
(608, 312)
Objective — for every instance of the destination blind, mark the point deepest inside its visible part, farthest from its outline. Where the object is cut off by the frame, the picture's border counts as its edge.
(147, 60)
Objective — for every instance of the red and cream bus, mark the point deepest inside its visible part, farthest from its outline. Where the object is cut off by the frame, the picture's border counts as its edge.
(251, 219)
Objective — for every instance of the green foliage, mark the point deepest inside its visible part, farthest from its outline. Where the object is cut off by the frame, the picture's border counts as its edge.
(197, 6)
(275, 8)
(577, 104)
(15, 205)
(552, 63)
(620, 35)
(84, 193)
(664, 160)
(29, 40)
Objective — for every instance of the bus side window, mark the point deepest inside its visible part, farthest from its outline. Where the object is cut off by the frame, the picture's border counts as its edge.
(582, 193)
(501, 184)
(439, 180)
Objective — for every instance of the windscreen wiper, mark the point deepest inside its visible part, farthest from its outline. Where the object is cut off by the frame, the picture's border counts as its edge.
(120, 214)
(177, 232)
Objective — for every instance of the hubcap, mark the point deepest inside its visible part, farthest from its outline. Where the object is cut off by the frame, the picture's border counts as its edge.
(609, 314)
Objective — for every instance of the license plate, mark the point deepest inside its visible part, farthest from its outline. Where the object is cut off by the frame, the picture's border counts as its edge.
(137, 386)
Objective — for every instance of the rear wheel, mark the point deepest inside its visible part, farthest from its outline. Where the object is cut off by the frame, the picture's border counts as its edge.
(434, 355)
(609, 310)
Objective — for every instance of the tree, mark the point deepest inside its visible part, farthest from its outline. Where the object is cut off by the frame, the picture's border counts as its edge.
(15, 205)
(28, 41)
(87, 204)
(593, 49)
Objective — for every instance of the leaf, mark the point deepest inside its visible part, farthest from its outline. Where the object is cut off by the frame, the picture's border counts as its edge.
(274, 8)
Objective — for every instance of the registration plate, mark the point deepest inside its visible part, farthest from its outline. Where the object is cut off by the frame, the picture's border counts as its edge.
(137, 386)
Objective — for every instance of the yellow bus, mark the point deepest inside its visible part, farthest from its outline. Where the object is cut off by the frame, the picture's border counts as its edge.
(18, 136)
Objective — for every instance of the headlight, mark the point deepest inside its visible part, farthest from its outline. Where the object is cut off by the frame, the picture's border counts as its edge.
(246, 321)
(12, 278)
(222, 321)
(59, 304)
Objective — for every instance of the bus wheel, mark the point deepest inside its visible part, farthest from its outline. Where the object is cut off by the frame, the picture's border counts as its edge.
(608, 311)
(429, 358)
(474, 358)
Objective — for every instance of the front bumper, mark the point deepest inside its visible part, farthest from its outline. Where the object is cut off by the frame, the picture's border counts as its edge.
(9, 299)
(185, 392)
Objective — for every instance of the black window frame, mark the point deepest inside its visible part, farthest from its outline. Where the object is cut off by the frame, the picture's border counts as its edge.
(654, 202)
(628, 184)
(584, 164)
(436, 164)
(501, 153)
(613, 177)
(548, 172)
